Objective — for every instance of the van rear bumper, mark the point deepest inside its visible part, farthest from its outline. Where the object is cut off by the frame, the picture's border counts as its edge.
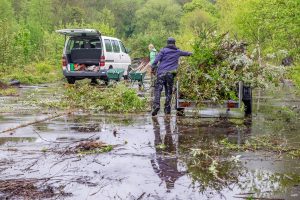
(100, 74)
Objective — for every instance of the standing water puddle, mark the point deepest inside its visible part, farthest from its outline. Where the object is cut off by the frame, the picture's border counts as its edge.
(151, 157)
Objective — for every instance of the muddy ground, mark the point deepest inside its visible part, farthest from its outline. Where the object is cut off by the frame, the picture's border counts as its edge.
(143, 157)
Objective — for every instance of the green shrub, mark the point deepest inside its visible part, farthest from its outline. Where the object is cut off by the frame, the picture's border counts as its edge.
(294, 74)
(8, 92)
(115, 99)
(217, 65)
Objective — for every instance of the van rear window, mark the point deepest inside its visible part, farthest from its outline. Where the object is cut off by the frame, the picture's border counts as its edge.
(108, 45)
(83, 43)
(116, 46)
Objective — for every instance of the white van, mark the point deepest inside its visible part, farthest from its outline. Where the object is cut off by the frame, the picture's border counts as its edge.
(88, 54)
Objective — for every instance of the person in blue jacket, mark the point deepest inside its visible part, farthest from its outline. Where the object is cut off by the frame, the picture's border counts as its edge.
(168, 59)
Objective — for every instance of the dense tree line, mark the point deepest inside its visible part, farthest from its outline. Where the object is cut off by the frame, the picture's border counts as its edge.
(27, 26)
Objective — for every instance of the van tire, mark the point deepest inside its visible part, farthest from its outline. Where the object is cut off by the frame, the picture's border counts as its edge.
(71, 80)
(106, 81)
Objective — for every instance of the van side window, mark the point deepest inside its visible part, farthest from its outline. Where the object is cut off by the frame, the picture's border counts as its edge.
(122, 47)
(116, 46)
(70, 46)
(108, 45)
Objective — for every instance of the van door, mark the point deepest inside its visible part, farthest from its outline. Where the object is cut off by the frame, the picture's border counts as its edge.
(117, 53)
(125, 58)
(109, 54)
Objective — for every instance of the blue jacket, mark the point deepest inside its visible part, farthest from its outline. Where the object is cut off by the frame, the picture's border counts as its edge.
(168, 59)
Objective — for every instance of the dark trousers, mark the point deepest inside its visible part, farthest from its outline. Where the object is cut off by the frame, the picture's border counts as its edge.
(163, 81)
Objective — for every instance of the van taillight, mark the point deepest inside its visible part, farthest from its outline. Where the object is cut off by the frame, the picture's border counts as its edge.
(64, 61)
(102, 61)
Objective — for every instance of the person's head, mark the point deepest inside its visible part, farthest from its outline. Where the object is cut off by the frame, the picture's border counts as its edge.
(151, 47)
(171, 41)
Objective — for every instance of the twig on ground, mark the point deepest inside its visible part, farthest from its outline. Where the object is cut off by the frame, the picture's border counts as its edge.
(141, 196)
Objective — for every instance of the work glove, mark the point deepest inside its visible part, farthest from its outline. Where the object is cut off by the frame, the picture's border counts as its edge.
(153, 69)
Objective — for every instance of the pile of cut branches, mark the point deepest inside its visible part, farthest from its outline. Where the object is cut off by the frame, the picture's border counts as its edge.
(217, 65)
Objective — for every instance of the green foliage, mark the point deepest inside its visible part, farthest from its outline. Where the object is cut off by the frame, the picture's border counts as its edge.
(40, 14)
(294, 74)
(115, 99)
(6, 52)
(196, 20)
(139, 43)
(211, 166)
(272, 24)
(161, 146)
(105, 149)
(6, 10)
(216, 67)
(157, 15)
(204, 5)
(27, 27)
(41, 72)
(22, 46)
(30, 38)
(8, 92)
(126, 17)
(212, 76)
(268, 143)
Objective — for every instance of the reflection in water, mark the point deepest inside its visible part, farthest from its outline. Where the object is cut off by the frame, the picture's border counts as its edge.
(164, 164)
(87, 128)
(170, 145)
(86, 123)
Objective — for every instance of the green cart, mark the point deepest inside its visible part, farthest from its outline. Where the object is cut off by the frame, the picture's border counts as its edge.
(137, 76)
(115, 74)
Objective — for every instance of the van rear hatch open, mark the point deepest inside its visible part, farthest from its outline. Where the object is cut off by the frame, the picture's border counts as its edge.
(83, 49)
(84, 53)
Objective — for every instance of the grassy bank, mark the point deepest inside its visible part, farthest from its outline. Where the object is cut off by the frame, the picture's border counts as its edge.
(294, 74)
(36, 73)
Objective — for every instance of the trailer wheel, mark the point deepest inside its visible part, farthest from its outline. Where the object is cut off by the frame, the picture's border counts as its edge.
(71, 80)
(248, 107)
(180, 112)
(247, 100)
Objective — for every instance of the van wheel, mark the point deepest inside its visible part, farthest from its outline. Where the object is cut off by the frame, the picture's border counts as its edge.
(106, 81)
(71, 80)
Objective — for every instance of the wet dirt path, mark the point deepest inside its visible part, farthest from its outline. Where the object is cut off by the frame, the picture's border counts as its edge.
(151, 156)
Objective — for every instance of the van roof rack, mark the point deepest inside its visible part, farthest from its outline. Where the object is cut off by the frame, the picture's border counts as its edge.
(78, 32)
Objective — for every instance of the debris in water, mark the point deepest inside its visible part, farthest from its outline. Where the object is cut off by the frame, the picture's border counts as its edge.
(28, 189)
(89, 147)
